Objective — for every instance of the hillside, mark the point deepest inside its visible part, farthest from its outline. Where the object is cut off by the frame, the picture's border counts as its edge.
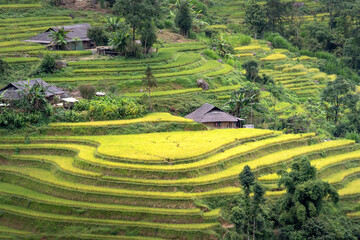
(122, 162)
(51, 183)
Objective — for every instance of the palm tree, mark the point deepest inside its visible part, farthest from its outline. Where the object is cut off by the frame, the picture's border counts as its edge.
(58, 38)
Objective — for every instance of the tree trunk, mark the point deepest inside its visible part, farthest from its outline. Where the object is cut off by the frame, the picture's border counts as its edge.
(275, 120)
(254, 226)
(151, 108)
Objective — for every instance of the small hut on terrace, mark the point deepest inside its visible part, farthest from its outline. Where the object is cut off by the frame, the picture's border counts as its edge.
(214, 117)
(13, 91)
(77, 38)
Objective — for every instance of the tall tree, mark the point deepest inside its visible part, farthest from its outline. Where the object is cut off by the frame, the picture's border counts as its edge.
(184, 18)
(276, 11)
(299, 208)
(138, 12)
(252, 70)
(249, 217)
(150, 82)
(255, 19)
(276, 90)
(148, 36)
(338, 95)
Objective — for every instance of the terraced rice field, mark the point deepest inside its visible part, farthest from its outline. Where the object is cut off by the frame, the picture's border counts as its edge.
(234, 10)
(13, 31)
(294, 73)
(172, 63)
(147, 186)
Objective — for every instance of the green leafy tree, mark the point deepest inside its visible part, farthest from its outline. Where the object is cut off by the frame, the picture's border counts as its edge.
(252, 70)
(139, 12)
(4, 69)
(150, 82)
(98, 35)
(299, 208)
(58, 38)
(249, 217)
(277, 91)
(338, 96)
(255, 19)
(242, 98)
(148, 36)
(120, 39)
(276, 11)
(184, 18)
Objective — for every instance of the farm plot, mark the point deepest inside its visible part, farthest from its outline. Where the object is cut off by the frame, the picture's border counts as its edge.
(295, 74)
(111, 180)
(13, 32)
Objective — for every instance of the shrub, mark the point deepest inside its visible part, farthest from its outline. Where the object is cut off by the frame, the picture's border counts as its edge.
(211, 54)
(87, 91)
(47, 64)
(353, 136)
(98, 35)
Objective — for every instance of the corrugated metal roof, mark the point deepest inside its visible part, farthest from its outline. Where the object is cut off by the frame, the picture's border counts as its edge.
(209, 113)
(76, 31)
(13, 90)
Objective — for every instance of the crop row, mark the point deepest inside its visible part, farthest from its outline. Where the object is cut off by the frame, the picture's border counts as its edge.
(45, 177)
(19, 6)
(20, 59)
(29, 19)
(184, 91)
(208, 66)
(61, 53)
(38, 23)
(73, 219)
(20, 49)
(36, 196)
(153, 117)
(184, 59)
(321, 163)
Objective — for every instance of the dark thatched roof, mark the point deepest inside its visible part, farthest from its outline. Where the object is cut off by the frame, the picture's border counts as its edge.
(76, 31)
(209, 113)
(13, 90)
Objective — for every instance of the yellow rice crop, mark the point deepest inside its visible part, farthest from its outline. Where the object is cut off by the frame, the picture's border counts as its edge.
(248, 48)
(297, 68)
(153, 117)
(321, 163)
(274, 57)
(268, 160)
(170, 146)
(320, 76)
(313, 70)
(280, 50)
(341, 175)
(303, 58)
(352, 188)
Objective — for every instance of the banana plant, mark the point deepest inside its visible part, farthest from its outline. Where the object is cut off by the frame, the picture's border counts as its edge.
(113, 24)
(58, 38)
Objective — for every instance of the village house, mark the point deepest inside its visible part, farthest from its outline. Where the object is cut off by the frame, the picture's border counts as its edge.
(77, 38)
(214, 117)
(14, 91)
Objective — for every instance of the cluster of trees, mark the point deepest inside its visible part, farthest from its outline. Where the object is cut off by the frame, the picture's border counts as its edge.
(309, 209)
(337, 33)
(141, 19)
